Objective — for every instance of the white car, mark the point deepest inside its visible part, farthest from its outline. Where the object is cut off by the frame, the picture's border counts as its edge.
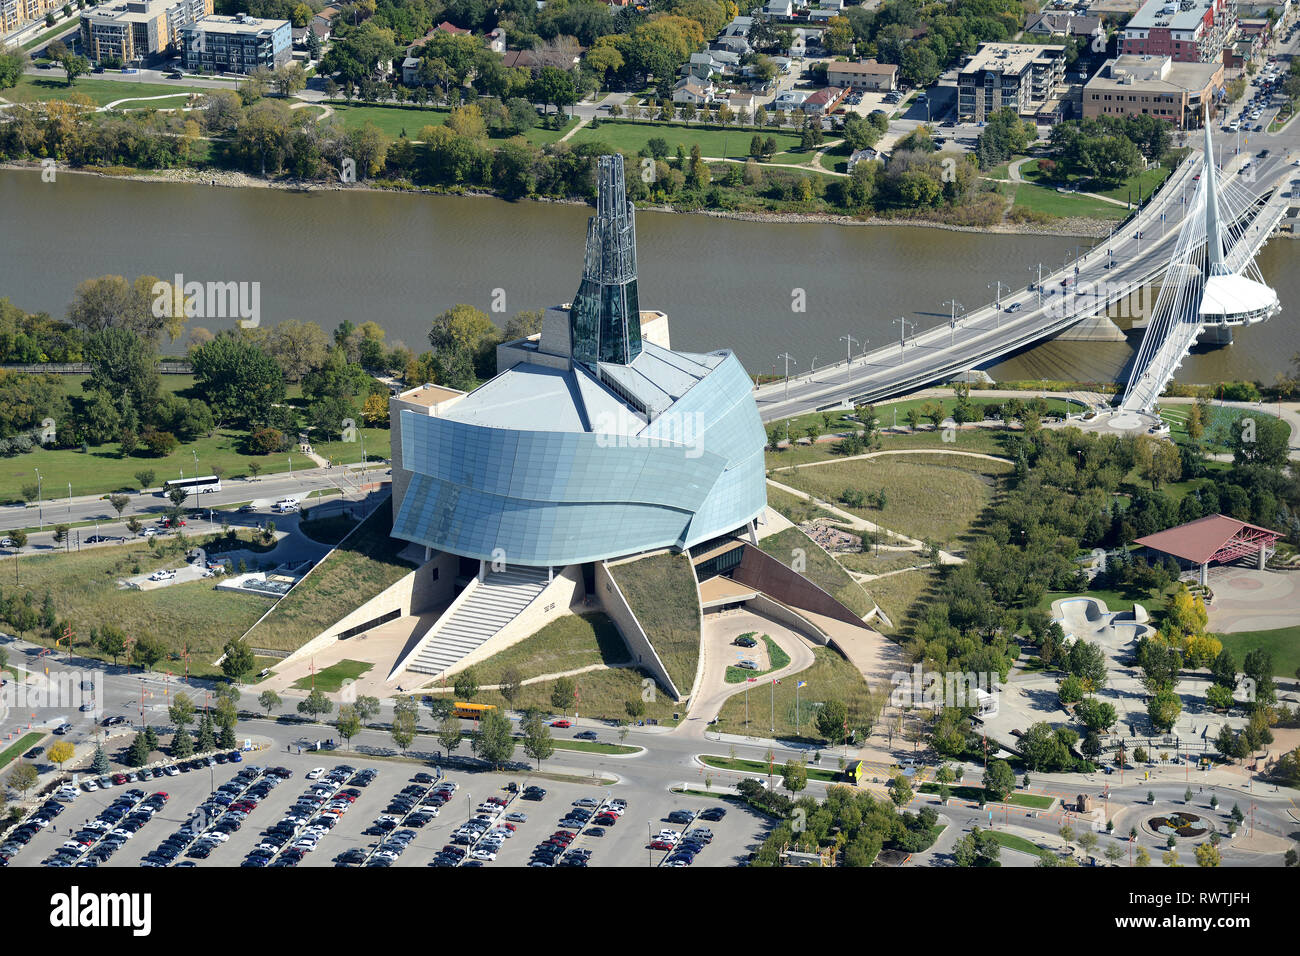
(172, 770)
(483, 854)
(315, 773)
(162, 575)
(90, 786)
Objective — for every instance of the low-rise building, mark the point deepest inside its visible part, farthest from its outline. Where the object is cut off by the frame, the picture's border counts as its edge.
(694, 91)
(1062, 23)
(1153, 86)
(238, 44)
(1019, 76)
(17, 13)
(323, 23)
(863, 75)
(824, 101)
(137, 31)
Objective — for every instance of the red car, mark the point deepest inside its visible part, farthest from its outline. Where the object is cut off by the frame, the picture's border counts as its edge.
(661, 845)
(561, 723)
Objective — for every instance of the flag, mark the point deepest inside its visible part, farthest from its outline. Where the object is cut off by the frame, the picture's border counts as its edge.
(802, 683)
(775, 681)
(751, 680)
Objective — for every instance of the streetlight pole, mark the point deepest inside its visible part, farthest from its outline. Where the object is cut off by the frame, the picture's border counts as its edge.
(902, 331)
(788, 360)
(997, 315)
(848, 341)
(952, 321)
(40, 509)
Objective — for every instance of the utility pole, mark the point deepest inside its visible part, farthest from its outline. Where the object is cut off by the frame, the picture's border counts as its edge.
(998, 294)
(848, 341)
(902, 331)
(788, 360)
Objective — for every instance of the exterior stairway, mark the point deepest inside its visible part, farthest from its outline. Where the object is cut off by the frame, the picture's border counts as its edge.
(491, 604)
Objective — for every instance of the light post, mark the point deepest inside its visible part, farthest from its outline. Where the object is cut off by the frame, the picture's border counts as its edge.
(40, 509)
(788, 360)
(952, 321)
(902, 332)
(290, 457)
(195, 453)
(848, 341)
(69, 499)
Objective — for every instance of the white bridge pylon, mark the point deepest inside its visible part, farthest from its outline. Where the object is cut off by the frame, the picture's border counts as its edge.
(1211, 285)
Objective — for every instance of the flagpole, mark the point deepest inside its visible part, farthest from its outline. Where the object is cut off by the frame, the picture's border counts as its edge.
(774, 706)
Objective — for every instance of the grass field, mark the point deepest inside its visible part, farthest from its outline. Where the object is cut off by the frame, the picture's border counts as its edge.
(1283, 643)
(331, 678)
(761, 768)
(360, 568)
(1012, 842)
(594, 747)
(793, 507)
(1032, 801)
(882, 563)
(830, 677)
(31, 89)
(1217, 423)
(1148, 179)
(934, 497)
(630, 136)
(1153, 601)
(19, 747)
(899, 595)
(602, 695)
(102, 469)
(565, 644)
(987, 441)
(1049, 202)
(72, 22)
(820, 568)
(85, 592)
(660, 590)
(390, 120)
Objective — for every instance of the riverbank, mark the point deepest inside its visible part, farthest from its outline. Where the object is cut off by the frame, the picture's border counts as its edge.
(234, 179)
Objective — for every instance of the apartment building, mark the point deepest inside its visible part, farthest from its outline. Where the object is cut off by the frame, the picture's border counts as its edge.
(17, 13)
(1022, 77)
(1188, 31)
(238, 44)
(136, 31)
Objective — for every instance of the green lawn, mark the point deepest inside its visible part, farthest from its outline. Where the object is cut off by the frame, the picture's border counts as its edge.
(831, 677)
(102, 469)
(1012, 842)
(594, 747)
(102, 92)
(19, 747)
(660, 590)
(987, 441)
(934, 497)
(72, 22)
(1153, 601)
(1148, 179)
(1049, 202)
(1283, 643)
(1217, 424)
(630, 136)
(360, 568)
(331, 678)
(568, 643)
(819, 568)
(1031, 801)
(85, 592)
(760, 768)
(391, 120)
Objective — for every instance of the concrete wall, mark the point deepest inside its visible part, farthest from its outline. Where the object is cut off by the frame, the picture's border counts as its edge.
(615, 605)
(556, 600)
(762, 572)
(787, 616)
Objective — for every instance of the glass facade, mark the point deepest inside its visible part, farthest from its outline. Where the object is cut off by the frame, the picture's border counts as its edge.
(557, 498)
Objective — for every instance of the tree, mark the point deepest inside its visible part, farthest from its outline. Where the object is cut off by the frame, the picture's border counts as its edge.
(13, 61)
(316, 704)
(348, 724)
(99, 762)
(238, 661)
(145, 477)
(537, 739)
(494, 742)
(269, 700)
(404, 728)
(562, 694)
(181, 711)
(831, 719)
(1157, 460)
(1163, 710)
(237, 378)
(794, 776)
(367, 708)
(900, 792)
(207, 740)
(466, 686)
(22, 778)
(1207, 855)
(148, 651)
(450, 734)
(509, 684)
(60, 753)
(999, 780)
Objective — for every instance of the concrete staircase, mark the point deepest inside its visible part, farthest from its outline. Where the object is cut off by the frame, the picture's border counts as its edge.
(491, 604)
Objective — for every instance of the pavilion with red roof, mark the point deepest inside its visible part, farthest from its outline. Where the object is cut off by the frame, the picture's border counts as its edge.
(1214, 539)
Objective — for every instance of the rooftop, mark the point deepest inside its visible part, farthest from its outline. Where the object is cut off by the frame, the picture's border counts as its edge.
(1206, 539)
(864, 67)
(1153, 72)
(239, 23)
(1010, 57)
(1170, 14)
(429, 395)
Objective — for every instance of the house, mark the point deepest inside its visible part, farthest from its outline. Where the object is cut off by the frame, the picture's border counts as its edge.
(824, 101)
(706, 64)
(864, 75)
(779, 8)
(411, 71)
(446, 26)
(1054, 23)
(837, 5)
(323, 23)
(742, 101)
(693, 91)
(733, 44)
(789, 99)
(862, 155)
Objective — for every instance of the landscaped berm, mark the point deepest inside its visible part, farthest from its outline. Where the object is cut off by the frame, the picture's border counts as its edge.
(661, 592)
(364, 564)
(799, 552)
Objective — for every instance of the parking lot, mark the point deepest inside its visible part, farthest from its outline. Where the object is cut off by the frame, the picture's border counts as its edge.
(623, 842)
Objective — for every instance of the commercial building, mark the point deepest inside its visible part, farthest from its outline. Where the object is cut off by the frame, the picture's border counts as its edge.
(136, 31)
(1024, 77)
(592, 441)
(1189, 31)
(1155, 86)
(863, 75)
(238, 44)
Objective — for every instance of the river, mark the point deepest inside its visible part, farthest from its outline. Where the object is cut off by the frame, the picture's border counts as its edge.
(400, 259)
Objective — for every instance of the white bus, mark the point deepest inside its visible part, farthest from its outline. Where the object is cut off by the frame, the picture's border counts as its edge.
(195, 486)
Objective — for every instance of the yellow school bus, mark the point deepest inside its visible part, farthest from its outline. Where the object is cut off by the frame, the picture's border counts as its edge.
(471, 711)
